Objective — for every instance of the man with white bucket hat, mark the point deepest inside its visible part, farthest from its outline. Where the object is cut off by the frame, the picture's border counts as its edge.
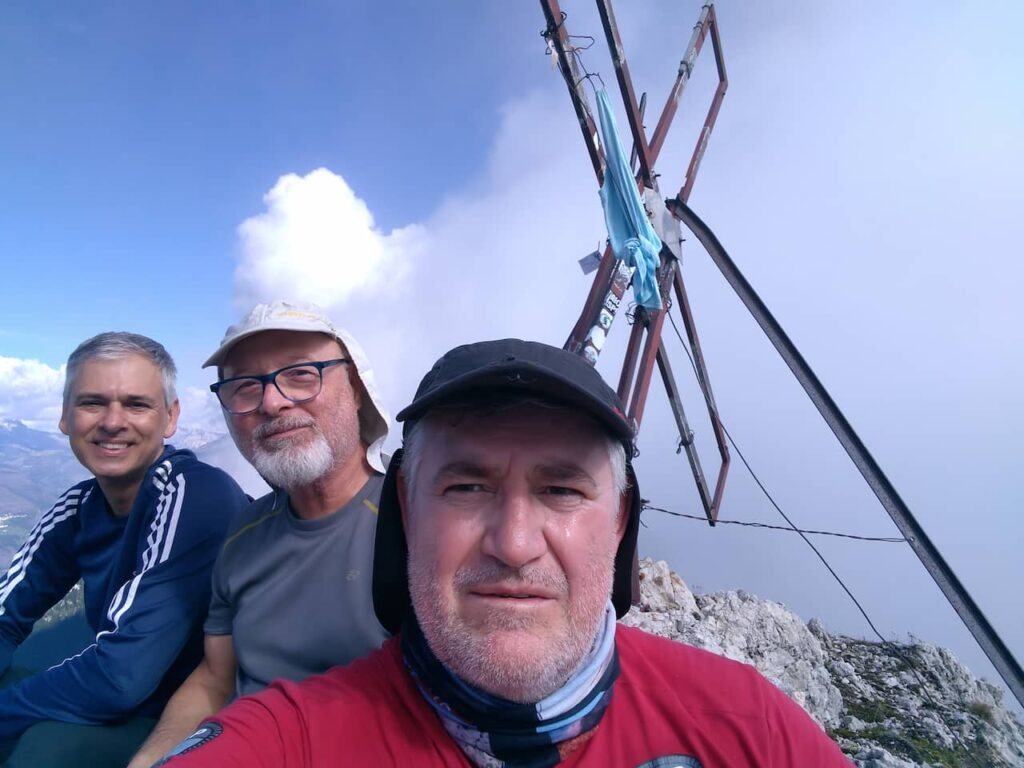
(292, 585)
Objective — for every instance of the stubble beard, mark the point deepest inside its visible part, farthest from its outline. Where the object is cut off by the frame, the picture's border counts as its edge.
(512, 656)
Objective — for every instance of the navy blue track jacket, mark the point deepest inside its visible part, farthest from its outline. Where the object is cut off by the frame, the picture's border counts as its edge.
(147, 589)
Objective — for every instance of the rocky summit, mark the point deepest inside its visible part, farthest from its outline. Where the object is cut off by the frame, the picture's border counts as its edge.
(888, 705)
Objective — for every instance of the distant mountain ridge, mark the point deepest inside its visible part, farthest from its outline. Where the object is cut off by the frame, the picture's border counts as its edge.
(35, 468)
(16, 434)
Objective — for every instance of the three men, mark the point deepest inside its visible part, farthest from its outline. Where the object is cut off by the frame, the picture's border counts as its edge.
(292, 586)
(503, 555)
(142, 535)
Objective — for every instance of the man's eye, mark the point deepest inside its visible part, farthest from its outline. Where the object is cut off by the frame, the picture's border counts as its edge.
(465, 488)
(561, 490)
(300, 375)
(242, 387)
(138, 406)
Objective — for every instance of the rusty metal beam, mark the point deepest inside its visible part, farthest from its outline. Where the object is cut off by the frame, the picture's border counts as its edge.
(640, 367)
(633, 116)
(712, 116)
(558, 39)
(647, 322)
(712, 505)
(686, 441)
(638, 401)
(683, 75)
(599, 310)
(629, 364)
(632, 155)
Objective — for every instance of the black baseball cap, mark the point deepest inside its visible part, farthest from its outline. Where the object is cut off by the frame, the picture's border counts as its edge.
(464, 373)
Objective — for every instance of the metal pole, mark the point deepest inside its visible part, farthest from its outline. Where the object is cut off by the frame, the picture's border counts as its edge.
(958, 596)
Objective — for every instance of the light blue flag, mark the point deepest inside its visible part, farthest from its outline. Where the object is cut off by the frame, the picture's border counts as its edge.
(632, 237)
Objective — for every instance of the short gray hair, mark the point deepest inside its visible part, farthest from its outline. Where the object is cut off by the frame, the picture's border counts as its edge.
(487, 405)
(113, 345)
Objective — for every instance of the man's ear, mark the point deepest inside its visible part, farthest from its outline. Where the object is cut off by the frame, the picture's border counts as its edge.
(622, 516)
(172, 421)
(359, 395)
(63, 423)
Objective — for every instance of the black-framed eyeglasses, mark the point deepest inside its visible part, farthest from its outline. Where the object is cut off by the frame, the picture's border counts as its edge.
(298, 383)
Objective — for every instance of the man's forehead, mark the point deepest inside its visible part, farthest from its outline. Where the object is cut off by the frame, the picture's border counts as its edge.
(277, 348)
(122, 366)
(134, 374)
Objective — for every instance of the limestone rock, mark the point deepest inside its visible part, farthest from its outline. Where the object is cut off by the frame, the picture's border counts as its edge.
(743, 628)
(887, 705)
(876, 757)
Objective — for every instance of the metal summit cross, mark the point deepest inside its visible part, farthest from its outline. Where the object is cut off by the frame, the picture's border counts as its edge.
(646, 347)
(613, 278)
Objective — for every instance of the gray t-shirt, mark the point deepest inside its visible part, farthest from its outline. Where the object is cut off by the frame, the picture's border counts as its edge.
(295, 595)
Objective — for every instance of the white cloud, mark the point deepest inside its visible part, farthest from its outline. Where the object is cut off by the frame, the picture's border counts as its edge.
(30, 391)
(316, 241)
(200, 411)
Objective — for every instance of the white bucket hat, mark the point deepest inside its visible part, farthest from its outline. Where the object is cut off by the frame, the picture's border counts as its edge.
(295, 316)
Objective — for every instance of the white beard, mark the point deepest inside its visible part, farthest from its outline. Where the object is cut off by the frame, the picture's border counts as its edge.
(294, 466)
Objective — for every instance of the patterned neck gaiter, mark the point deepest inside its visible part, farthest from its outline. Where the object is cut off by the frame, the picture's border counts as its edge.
(498, 733)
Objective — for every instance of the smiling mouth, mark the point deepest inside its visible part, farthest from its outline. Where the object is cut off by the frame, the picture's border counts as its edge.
(111, 446)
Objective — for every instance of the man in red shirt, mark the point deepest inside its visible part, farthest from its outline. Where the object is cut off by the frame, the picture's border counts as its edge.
(504, 550)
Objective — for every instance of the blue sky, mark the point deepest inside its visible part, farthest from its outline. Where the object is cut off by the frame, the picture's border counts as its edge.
(160, 169)
(135, 139)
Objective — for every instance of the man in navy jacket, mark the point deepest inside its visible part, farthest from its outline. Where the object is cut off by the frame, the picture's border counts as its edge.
(142, 535)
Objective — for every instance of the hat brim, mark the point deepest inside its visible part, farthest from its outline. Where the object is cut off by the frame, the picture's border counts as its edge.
(278, 324)
(525, 376)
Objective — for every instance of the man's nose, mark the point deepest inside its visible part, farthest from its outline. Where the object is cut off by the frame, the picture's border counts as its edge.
(273, 401)
(515, 529)
(113, 418)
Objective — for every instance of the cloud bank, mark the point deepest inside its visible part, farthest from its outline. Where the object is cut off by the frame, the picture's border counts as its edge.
(30, 391)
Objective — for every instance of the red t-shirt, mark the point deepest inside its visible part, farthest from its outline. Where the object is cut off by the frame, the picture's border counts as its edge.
(671, 701)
